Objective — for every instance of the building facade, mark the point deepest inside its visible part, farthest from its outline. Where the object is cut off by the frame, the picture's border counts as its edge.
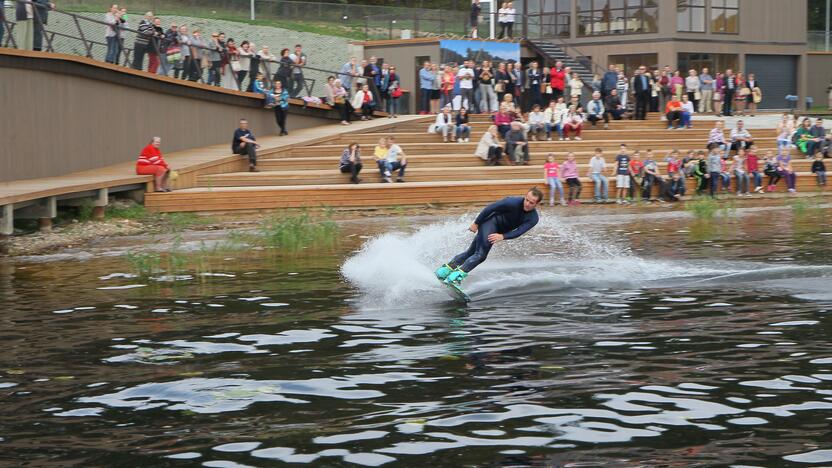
(764, 37)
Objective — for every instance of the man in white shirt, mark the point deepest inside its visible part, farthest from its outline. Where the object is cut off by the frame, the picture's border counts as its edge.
(465, 75)
(537, 123)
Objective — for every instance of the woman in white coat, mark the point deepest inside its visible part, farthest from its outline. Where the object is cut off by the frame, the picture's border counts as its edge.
(365, 101)
(488, 149)
(445, 124)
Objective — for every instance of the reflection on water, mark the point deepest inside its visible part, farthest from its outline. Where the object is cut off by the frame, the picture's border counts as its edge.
(594, 341)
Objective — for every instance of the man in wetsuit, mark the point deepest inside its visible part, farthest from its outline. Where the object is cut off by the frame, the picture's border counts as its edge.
(508, 218)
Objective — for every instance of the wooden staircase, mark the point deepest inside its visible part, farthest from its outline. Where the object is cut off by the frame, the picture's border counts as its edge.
(307, 175)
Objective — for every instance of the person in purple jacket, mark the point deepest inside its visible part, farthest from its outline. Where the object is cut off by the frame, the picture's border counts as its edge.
(508, 218)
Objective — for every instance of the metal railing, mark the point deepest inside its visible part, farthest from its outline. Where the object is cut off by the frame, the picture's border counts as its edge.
(78, 34)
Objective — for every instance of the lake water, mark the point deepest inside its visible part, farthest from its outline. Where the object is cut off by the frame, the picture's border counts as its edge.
(599, 339)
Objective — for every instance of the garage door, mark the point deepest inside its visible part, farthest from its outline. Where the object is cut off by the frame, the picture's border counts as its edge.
(777, 75)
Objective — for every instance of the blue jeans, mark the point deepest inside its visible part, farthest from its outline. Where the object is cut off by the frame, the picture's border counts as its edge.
(726, 181)
(685, 120)
(424, 100)
(742, 182)
(556, 127)
(758, 179)
(113, 49)
(387, 166)
(392, 105)
(554, 184)
(677, 187)
(463, 131)
(821, 175)
(601, 187)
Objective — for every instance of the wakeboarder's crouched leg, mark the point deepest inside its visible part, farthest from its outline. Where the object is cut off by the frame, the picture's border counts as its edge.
(478, 251)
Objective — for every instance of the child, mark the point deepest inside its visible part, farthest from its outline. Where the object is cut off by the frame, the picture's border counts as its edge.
(676, 188)
(570, 173)
(699, 169)
(724, 172)
(622, 174)
(740, 171)
(636, 174)
(771, 171)
(819, 169)
(674, 165)
(752, 163)
(551, 173)
(262, 87)
(784, 167)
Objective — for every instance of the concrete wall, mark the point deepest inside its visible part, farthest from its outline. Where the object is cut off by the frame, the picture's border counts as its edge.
(820, 76)
(63, 115)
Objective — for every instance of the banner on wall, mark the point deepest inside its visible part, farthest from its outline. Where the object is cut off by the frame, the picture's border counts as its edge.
(458, 51)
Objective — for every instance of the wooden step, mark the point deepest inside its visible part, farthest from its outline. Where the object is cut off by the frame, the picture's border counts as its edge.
(475, 170)
(434, 160)
(425, 137)
(543, 146)
(370, 194)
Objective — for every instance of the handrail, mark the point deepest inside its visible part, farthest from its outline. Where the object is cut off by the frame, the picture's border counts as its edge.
(81, 23)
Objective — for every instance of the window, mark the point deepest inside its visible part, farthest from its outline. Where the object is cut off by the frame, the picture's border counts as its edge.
(629, 63)
(713, 62)
(725, 16)
(602, 17)
(690, 15)
(553, 16)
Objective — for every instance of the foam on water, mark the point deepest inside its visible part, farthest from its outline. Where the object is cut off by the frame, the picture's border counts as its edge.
(397, 267)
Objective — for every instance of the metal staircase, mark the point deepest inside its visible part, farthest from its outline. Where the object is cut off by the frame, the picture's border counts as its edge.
(552, 52)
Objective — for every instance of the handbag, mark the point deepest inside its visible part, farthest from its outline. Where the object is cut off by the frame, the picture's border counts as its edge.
(500, 87)
(397, 93)
(235, 66)
(717, 97)
(548, 89)
(174, 57)
(758, 95)
(697, 95)
(745, 92)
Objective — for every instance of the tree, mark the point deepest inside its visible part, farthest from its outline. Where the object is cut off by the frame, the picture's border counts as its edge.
(817, 15)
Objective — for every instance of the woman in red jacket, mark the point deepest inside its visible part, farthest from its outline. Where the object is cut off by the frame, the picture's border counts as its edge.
(152, 163)
(557, 77)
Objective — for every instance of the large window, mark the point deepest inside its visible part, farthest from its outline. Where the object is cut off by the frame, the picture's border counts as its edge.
(725, 16)
(690, 15)
(629, 63)
(549, 18)
(713, 62)
(602, 17)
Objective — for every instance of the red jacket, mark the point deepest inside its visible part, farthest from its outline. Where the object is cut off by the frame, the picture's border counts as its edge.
(151, 155)
(557, 79)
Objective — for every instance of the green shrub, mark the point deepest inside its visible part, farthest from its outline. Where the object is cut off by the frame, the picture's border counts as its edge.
(296, 232)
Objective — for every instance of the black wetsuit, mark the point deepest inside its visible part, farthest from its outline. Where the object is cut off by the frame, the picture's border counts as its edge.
(506, 217)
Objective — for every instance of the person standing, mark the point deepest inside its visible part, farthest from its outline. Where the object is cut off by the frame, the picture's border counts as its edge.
(532, 83)
(24, 28)
(281, 107)
(465, 77)
(511, 17)
(394, 90)
(729, 89)
(142, 42)
(506, 219)
(642, 85)
(115, 21)
(693, 87)
(755, 94)
(348, 71)
(597, 172)
(622, 174)
(502, 20)
(475, 17)
(182, 66)
(155, 50)
(707, 90)
(244, 143)
(214, 53)
(489, 96)
(425, 88)
(299, 60)
(608, 82)
(557, 80)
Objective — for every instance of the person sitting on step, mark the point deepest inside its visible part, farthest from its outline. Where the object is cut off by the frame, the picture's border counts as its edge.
(444, 124)
(673, 112)
(351, 162)
(244, 144)
(488, 148)
(517, 146)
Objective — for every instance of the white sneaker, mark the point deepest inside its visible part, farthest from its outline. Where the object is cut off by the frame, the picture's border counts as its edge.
(387, 174)
(578, 138)
(560, 139)
(549, 139)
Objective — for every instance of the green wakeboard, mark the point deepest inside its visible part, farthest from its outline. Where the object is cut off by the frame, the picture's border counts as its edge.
(456, 292)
